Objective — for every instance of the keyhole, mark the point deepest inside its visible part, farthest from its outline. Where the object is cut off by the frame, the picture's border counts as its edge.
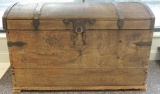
(79, 29)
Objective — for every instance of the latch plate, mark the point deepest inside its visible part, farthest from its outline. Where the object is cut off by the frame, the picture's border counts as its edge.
(79, 30)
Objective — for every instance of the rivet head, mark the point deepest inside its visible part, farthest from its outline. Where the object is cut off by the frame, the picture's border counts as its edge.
(92, 21)
(65, 21)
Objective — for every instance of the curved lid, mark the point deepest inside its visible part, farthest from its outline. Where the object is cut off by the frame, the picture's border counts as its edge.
(125, 11)
(79, 10)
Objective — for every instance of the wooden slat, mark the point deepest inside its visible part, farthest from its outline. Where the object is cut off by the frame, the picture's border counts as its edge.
(103, 49)
(79, 77)
(54, 25)
(136, 24)
(82, 88)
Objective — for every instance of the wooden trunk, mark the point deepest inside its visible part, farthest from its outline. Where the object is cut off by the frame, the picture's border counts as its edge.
(79, 46)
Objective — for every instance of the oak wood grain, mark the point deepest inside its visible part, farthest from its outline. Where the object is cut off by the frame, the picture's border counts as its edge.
(79, 77)
(58, 24)
(132, 10)
(103, 49)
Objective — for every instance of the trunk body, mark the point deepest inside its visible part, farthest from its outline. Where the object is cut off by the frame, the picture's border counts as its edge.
(85, 46)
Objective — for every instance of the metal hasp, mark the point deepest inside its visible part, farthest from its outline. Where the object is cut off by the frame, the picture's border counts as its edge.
(37, 13)
(79, 30)
(120, 14)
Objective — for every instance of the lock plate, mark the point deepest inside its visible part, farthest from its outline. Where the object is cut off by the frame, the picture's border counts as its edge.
(79, 30)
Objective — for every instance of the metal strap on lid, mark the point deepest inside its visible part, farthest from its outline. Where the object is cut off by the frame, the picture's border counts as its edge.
(120, 15)
(37, 13)
(152, 15)
(6, 14)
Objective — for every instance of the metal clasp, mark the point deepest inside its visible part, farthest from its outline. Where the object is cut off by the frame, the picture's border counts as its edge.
(79, 30)
(79, 40)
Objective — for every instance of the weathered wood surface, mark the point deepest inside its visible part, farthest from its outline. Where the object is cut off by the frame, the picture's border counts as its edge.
(134, 10)
(53, 25)
(103, 49)
(103, 10)
(136, 16)
(79, 77)
(22, 11)
(50, 58)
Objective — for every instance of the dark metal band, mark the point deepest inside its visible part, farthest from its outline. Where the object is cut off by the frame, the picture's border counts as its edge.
(152, 16)
(120, 15)
(37, 13)
(6, 14)
(149, 43)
